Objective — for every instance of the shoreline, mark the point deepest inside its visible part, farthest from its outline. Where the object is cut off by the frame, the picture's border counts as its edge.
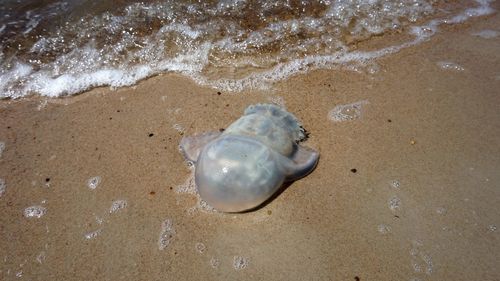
(435, 131)
(360, 53)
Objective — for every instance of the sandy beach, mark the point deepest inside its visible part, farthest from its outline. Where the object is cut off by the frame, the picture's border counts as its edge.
(408, 189)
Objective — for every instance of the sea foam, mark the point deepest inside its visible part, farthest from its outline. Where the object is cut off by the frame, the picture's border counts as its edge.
(227, 45)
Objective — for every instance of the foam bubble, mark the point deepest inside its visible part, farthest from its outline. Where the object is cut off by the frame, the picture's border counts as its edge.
(420, 259)
(179, 128)
(94, 182)
(441, 211)
(166, 234)
(346, 112)
(3, 187)
(214, 262)
(394, 203)
(99, 220)
(481, 10)
(36, 211)
(117, 206)
(383, 229)
(280, 101)
(395, 184)
(447, 65)
(416, 266)
(40, 258)
(2, 148)
(205, 207)
(200, 247)
(93, 234)
(240, 263)
(189, 187)
(43, 104)
(205, 41)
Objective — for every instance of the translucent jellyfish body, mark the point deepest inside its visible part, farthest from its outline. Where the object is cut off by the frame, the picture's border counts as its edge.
(241, 168)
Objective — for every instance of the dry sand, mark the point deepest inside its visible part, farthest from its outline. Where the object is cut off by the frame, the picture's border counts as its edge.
(422, 203)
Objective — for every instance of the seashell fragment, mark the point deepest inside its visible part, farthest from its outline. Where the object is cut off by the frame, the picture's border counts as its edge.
(241, 168)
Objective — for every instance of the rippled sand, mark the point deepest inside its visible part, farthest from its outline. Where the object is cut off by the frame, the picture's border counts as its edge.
(93, 187)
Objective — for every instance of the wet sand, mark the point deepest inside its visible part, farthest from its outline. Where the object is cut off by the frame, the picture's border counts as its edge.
(410, 190)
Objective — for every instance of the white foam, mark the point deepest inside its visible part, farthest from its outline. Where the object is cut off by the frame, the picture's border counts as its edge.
(394, 203)
(448, 65)
(40, 258)
(347, 112)
(396, 184)
(166, 234)
(179, 128)
(441, 211)
(3, 187)
(36, 211)
(99, 220)
(189, 187)
(2, 148)
(200, 247)
(214, 262)
(240, 262)
(420, 259)
(117, 206)
(280, 101)
(93, 182)
(483, 9)
(383, 229)
(93, 234)
(200, 52)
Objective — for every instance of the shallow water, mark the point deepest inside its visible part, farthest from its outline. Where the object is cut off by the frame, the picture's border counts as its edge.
(56, 48)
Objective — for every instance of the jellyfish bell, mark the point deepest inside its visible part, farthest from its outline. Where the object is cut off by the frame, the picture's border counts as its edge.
(241, 168)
